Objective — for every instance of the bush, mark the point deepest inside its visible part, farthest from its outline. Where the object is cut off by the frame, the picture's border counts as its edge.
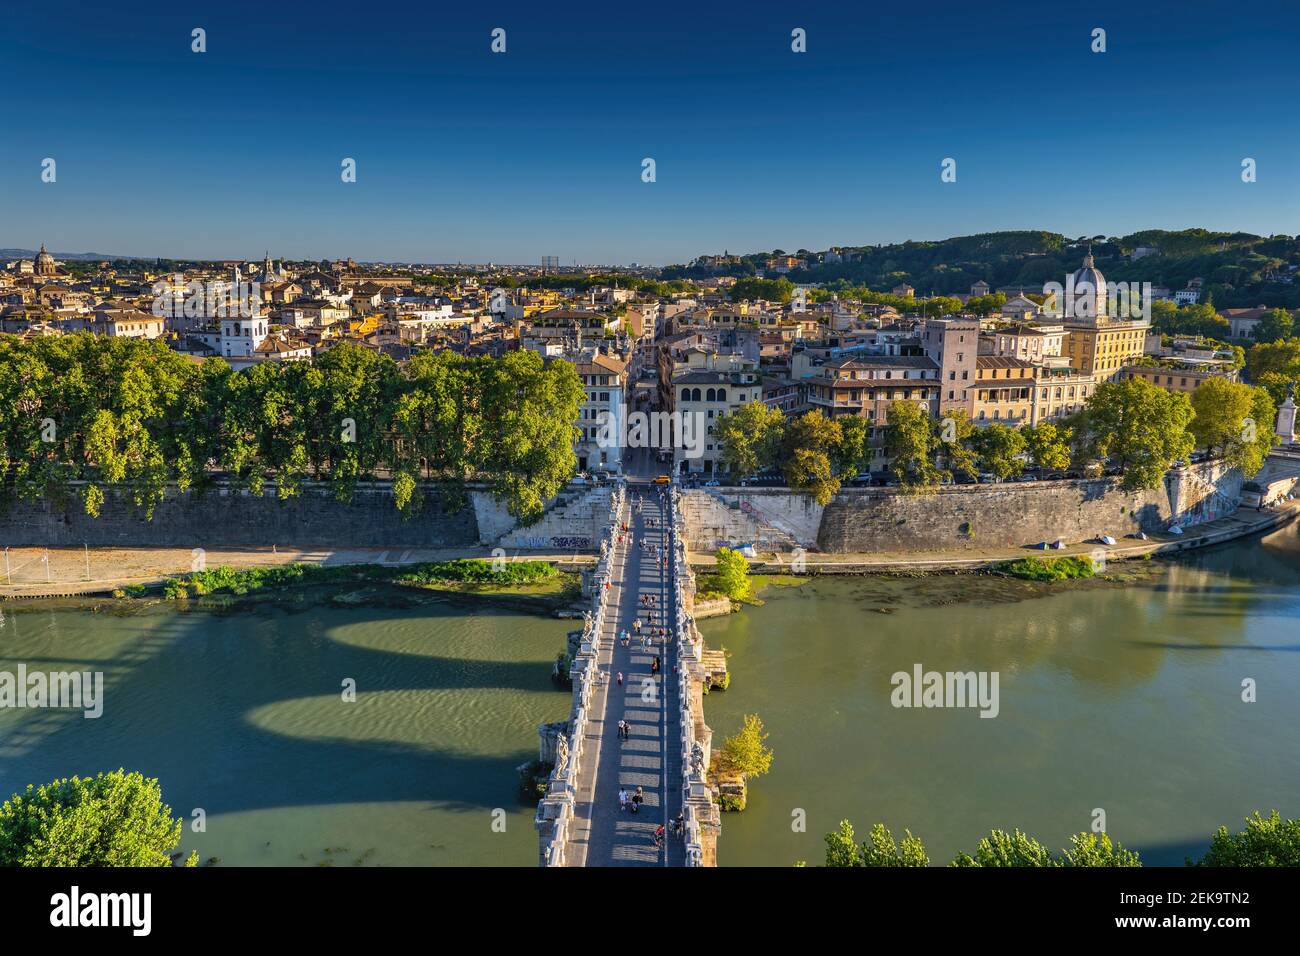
(732, 575)
(116, 819)
(1266, 841)
(745, 752)
(476, 571)
(1049, 569)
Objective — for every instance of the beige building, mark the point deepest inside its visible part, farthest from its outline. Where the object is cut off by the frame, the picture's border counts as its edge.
(602, 415)
(703, 393)
(1030, 343)
(1103, 350)
(953, 346)
(1179, 378)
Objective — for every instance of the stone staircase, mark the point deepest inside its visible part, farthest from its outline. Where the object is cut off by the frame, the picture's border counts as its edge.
(574, 522)
(712, 522)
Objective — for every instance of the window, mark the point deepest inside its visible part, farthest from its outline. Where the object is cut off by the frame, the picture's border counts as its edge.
(722, 395)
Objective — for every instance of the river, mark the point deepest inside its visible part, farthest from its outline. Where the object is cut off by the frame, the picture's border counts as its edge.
(1125, 698)
(242, 715)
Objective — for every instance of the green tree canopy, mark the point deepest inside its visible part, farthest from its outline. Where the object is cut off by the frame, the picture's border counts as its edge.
(115, 819)
(911, 444)
(879, 849)
(746, 751)
(1276, 324)
(1265, 841)
(810, 442)
(1235, 422)
(731, 574)
(1048, 446)
(1141, 428)
(750, 438)
(998, 448)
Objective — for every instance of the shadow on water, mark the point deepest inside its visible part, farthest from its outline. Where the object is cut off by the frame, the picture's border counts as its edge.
(181, 694)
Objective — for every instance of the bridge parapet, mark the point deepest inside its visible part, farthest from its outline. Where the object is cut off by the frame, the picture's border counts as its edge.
(702, 817)
(555, 812)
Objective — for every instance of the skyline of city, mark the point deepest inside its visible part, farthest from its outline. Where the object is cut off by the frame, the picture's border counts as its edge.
(464, 155)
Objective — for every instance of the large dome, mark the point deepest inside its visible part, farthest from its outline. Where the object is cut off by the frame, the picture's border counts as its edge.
(1089, 290)
(44, 263)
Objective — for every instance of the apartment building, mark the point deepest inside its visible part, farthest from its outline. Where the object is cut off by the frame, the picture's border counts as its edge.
(952, 345)
(602, 415)
(715, 385)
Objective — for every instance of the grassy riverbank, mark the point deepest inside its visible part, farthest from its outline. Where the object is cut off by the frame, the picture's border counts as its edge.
(534, 586)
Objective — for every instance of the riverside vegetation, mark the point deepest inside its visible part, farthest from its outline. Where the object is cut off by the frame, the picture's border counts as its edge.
(466, 575)
(80, 413)
(1130, 427)
(1265, 841)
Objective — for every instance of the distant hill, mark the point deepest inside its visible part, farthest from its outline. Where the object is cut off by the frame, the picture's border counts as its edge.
(7, 254)
(1237, 269)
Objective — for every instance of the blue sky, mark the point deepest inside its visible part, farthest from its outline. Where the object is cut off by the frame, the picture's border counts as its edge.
(463, 155)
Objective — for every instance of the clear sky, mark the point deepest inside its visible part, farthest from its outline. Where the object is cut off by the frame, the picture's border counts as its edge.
(463, 155)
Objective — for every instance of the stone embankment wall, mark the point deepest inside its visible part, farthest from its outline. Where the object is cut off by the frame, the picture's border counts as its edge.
(223, 517)
(961, 517)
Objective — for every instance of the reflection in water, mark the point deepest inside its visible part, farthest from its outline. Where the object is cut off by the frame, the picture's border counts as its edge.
(1124, 698)
(242, 715)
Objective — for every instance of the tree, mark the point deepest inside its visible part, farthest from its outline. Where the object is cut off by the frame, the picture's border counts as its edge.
(1277, 385)
(1140, 427)
(998, 447)
(880, 848)
(731, 575)
(116, 819)
(1266, 841)
(750, 438)
(1048, 446)
(910, 443)
(852, 456)
(1097, 849)
(1275, 324)
(954, 433)
(1000, 848)
(1281, 357)
(529, 408)
(810, 440)
(1235, 422)
(745, 752)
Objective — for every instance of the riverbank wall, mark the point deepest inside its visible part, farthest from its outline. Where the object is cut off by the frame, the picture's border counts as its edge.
(964, 518)
(226, 517)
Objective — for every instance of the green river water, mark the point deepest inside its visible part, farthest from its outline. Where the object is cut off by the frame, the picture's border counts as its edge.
(1125, 698)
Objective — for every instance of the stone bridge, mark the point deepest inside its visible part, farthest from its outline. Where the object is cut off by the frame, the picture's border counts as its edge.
(655, 684)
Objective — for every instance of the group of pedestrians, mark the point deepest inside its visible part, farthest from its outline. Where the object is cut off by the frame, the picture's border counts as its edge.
(630, 800)
(624, 730)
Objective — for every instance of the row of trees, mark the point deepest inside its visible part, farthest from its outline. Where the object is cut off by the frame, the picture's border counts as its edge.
(1131, 426)
(1265, 841)
(84, 412)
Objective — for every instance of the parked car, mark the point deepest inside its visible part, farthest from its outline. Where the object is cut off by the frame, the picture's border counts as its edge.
(713, 483)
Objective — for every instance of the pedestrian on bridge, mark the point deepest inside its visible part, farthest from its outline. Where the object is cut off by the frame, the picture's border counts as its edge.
(622, 799)
(619, 678)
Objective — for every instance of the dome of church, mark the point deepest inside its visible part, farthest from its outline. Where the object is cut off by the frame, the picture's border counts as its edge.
(1092, 301)
(1089, 273)
(44, 262)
